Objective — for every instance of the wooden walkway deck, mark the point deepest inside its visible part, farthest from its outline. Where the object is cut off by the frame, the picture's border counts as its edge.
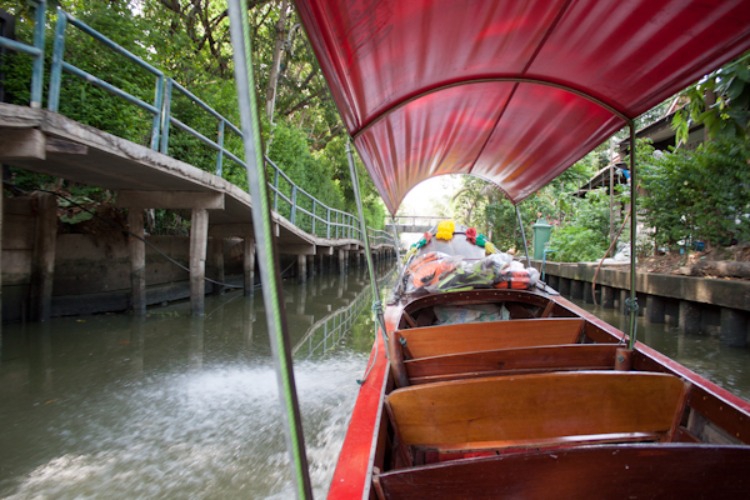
(47, 142)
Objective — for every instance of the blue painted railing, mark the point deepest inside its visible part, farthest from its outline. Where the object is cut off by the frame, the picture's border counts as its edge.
(289, 200)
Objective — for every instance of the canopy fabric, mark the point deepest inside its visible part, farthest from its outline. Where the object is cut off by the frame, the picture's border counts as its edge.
(513, 91)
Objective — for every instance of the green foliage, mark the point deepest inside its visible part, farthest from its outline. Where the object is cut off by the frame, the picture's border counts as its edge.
(700, 195)
(720, 102)
(585, 237)
(307, 142)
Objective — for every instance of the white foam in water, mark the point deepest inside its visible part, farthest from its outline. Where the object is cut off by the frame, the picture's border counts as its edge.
(215, 433)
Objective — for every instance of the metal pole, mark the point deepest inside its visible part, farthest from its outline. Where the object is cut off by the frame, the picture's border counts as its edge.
(376, 304)
(633, 305)
(267, 256)
(523, 235)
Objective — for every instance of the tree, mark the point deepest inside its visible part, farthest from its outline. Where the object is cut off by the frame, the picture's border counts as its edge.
(720, 102)
(700, 195)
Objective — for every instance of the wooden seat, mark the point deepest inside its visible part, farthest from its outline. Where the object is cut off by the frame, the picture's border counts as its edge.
(537, 409)
(471, 337)
(606, 471)
(511, 361)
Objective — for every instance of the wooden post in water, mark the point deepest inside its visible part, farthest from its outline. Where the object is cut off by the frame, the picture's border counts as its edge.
(301, 268)
(217, 263)
(43, 263)
(248, 264)
(137, 248)
(198, 243)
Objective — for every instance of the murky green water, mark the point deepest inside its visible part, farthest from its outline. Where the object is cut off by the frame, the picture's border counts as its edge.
(177, 407)
(726, 366)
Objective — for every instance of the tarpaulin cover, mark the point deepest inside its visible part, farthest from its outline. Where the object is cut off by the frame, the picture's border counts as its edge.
(513, 91)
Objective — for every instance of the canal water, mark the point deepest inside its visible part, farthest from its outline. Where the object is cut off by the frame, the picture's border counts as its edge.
(172, 406)
(726, 366)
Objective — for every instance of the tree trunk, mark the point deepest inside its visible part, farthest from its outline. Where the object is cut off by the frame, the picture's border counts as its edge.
(278, 55)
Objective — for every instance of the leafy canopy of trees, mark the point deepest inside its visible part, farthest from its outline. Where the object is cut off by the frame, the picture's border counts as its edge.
(189, 41)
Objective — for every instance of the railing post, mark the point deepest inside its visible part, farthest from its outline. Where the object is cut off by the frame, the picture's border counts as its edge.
(58, 53)
(293, 213)
(166, 116)
(220, 157)
(276, 188)
(328, 223)
(313, 217)
(37, 79)
(156, 125)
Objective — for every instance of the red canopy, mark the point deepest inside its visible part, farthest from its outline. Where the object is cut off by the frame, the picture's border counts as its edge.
(513, 91)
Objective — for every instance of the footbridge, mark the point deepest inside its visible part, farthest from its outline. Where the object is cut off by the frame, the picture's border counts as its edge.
(413, 223)
(148, 176)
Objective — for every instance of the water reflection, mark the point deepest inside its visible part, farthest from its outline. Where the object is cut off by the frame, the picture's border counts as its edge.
(726, 366)
(176, 406)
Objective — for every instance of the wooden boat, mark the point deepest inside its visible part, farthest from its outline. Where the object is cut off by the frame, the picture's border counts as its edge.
(547, 400)
(543, 400)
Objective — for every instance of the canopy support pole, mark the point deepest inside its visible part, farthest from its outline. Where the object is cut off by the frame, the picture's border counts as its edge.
(396, 243)
(523, 235)
(377, 306)
(632, 306)
(266, 243)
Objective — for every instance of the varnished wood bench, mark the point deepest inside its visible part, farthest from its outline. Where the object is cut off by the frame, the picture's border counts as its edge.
(606, 471)
(439, 340)
(471, 337)
(558, 408)
(510, 362)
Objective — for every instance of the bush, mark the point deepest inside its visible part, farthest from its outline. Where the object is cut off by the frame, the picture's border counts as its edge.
(586, 237)
(700, 195)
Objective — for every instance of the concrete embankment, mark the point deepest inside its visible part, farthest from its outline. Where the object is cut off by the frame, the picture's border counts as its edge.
(696, 305)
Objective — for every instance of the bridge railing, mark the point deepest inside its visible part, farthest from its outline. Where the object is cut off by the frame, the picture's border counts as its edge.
(289, 200)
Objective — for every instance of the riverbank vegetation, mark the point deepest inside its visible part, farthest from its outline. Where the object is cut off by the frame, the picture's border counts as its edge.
(190, 42)
(691, 199)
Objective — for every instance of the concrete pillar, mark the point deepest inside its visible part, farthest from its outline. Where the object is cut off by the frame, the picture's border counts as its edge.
(43, 263)
(217, 263)
(137, 248)
(301, 268)
(343, 254)
(310, 265)
(198, 244)
(588, 293)
(248, 265)
(672, 313)
(608, 297)
(733, 327)
(564, 288)
(552, 281)
(576, 289)
(623, 298)
(689, 317)
(655, 309)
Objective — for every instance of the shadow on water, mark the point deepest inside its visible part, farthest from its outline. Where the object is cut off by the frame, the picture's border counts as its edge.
(174, 406)
(726, 366)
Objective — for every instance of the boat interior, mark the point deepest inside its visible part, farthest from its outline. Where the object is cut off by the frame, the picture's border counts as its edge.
(547, 391)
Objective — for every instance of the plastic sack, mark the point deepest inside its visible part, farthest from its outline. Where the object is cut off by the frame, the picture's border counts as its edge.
(447, 315)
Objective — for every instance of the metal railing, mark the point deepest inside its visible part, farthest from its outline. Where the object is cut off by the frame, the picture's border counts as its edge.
(327, 333)
(289, 200)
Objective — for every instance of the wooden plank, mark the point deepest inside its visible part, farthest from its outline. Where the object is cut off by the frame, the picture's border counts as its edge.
(470, 337)
(608, 471)
(22, 144)
(171, 199)
(536, 407)
(511, 361)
